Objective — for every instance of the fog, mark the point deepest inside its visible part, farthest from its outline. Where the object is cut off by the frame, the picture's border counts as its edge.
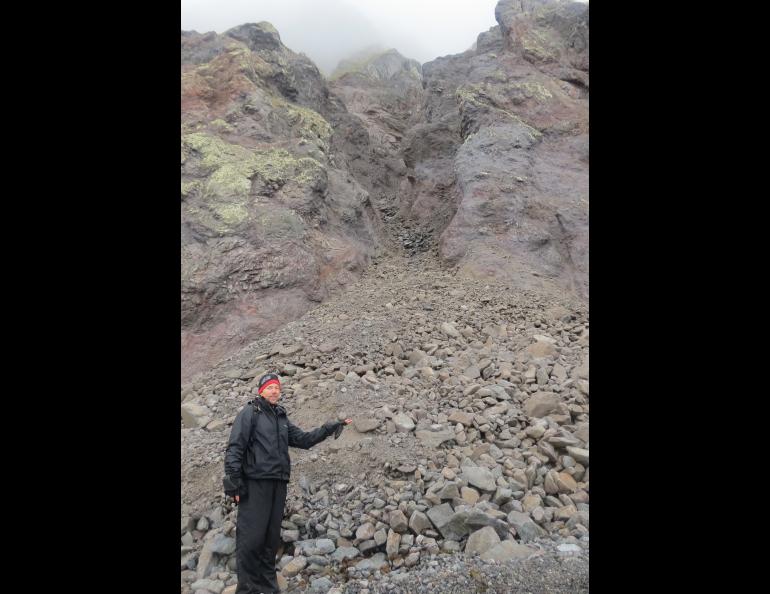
(330, 30)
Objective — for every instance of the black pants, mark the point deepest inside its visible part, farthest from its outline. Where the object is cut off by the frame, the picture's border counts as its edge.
(258, 534)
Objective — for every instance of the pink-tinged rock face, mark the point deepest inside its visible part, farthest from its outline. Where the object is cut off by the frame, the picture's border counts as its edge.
(290, 182)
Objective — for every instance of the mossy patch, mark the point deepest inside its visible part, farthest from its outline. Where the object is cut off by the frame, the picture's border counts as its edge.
(477, 96)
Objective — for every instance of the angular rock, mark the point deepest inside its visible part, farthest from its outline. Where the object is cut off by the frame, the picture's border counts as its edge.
(365, 531)
(471, 496)
(216, 425)
(525, 527)
(481, 541)
(540, 404)
(433, 439)
(419, 522)
(380, 537)
(294, 566)
(479, 477)
(564, 441)
(531, 501)
(502, 496)
(565, 483)
(440, 515)
(403, 423)
(343, 553)
(448, 491)
(366, 424)
(456, 527)
(377, 561)
(507, 550)
(221, 545)
(450, 546)
(459, 416)
(398, 521)
(320, 585)
(213, 586)
(195, 415)
(290, 350)
(578, 454)
(449, 330)
(392, 544)
(475, 519)
(541, 349)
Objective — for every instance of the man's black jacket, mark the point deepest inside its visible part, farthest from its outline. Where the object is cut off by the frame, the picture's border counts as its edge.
(259, 444)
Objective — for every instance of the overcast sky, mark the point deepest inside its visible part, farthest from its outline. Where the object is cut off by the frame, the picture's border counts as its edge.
(329, 30)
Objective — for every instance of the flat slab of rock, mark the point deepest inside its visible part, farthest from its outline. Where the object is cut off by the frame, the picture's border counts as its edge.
(434, 439)
(541, 349)
(450, 330)
(525, 527)
(377, 561)
(541, 404)
(459, 416)
(508, 550)
(195, 415)
(481, 541)
(479, 477)
(291, 349)
(343, 553)
(403, 423)
(294, 566)
(579, 454)
(366, 424)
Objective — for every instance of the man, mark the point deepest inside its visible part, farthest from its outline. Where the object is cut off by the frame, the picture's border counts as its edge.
(257, 469)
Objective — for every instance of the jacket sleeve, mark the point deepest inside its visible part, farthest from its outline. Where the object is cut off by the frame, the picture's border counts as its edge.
(306, 440)
(236, 448)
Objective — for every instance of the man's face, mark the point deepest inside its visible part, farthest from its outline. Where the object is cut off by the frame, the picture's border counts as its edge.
(272, 393)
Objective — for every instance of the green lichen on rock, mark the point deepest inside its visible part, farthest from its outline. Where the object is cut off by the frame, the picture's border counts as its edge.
(477, 96)
(229, 181)
(189, 187)
(271, 164)
(534, 90)
(230, 169)
(310, 124)
(537, 46)
(221, 125)
(231, 215)
(279, 166)
(497, 76)
(307, 124)
(207, 218)
(472, 94)
(229, 166)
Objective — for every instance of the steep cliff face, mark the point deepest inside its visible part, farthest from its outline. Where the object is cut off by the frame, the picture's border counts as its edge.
(272, 220)
(385, 91)
(499, 160)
